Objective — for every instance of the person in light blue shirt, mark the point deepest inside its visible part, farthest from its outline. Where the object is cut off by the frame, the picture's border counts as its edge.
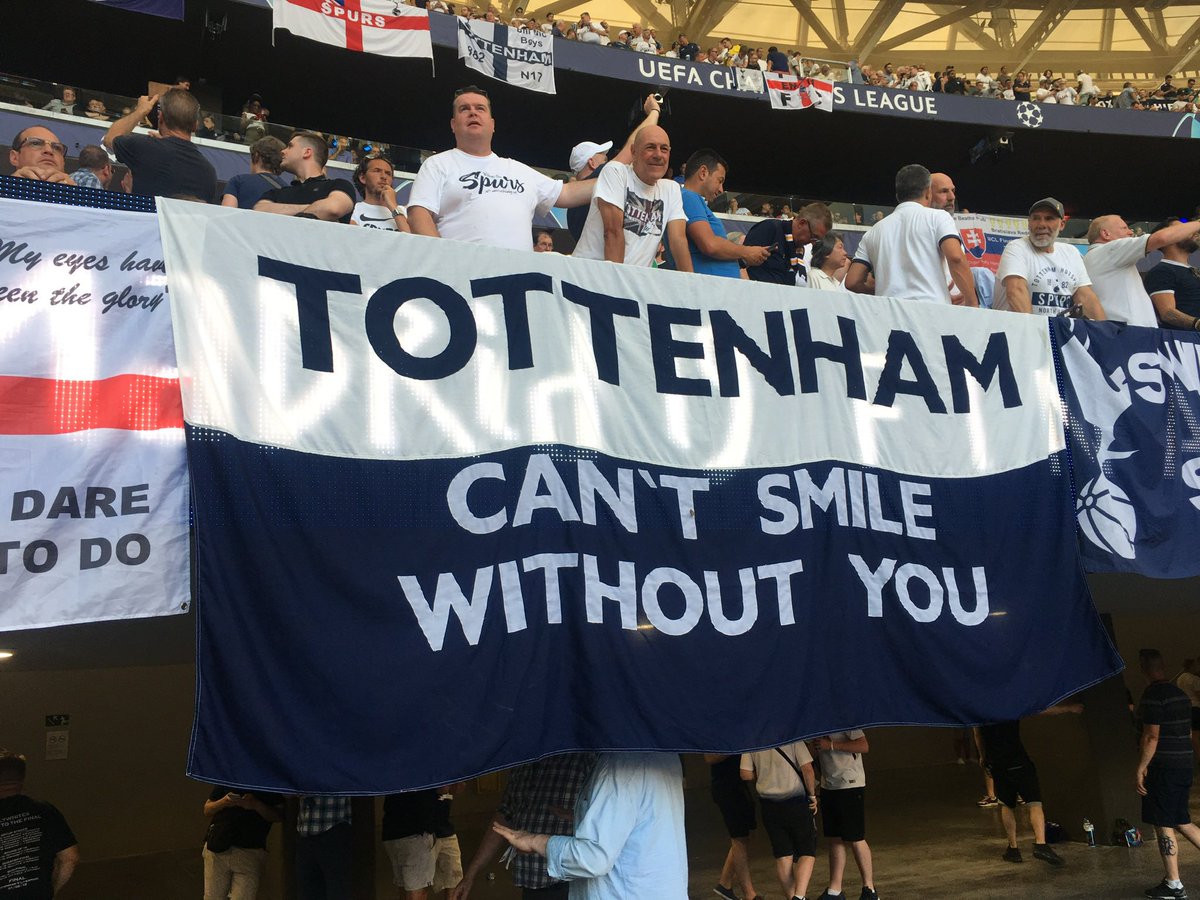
(711, 250)
(629, 842)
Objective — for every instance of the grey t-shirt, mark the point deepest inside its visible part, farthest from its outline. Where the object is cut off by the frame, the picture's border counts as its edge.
(775, 777)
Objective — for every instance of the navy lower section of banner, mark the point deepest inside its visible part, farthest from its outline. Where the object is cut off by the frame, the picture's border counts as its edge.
(369, 626)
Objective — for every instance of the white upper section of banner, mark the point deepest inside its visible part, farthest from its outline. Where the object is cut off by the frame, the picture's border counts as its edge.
(106, 292)
(239, 345)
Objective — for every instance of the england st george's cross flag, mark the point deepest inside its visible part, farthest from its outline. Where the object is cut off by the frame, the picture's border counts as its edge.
(383, 27)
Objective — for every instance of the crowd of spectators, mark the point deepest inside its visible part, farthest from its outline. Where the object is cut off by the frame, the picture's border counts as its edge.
(1048, 87)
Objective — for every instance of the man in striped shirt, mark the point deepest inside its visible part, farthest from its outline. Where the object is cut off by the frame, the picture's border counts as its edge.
(1164, 773)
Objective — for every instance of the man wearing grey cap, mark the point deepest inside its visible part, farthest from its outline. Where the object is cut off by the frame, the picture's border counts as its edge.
(1039, 275)
(1111, 263)
(588, 158)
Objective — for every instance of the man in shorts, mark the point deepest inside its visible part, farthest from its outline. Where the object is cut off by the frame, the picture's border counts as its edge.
(1015, 775)
(409, 824)
(843, 809)
(732, 796)
(1164, 773)
(787, 794)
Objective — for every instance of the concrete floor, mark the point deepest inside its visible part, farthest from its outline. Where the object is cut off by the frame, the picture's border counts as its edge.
(929, 839)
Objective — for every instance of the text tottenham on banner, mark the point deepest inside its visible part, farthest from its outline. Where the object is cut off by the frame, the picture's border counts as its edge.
(542, 504)
(517, 56)
(382, 27)
(93, 488)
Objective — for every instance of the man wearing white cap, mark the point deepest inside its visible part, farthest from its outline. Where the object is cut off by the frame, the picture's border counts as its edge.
(588, 158)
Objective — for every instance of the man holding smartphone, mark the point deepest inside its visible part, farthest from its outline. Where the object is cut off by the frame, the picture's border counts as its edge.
(235, 847)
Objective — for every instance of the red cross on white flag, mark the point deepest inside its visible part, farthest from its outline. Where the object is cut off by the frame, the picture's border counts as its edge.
(383, 27)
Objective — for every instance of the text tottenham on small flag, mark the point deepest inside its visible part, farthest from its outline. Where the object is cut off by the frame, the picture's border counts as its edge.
(790, 92)
(382, 27)
(517, 56)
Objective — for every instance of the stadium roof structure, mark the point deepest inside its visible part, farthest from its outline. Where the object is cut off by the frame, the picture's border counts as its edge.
(1109, 38)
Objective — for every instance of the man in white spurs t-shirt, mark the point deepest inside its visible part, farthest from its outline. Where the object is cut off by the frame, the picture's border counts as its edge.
(471, 194)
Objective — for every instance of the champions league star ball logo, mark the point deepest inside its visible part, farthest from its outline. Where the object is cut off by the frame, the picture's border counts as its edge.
(1105, 515)
(1029, 114)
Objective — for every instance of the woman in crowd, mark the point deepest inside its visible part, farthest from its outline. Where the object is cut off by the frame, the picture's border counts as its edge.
(829, 264)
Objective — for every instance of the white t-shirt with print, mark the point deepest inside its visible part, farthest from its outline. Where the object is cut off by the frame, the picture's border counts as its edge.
(904, 251)
(369, 215)
(647, 209)
(1052, 277)
(483, 199)
(1113, 269)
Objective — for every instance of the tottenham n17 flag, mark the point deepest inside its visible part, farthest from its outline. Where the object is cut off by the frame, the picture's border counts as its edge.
(93, 489)
(790, 92)
(467, 507)
(382, 27)
(518, 56)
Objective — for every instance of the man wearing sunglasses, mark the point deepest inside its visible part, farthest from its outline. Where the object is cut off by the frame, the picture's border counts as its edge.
(37, 153)
(471, 194)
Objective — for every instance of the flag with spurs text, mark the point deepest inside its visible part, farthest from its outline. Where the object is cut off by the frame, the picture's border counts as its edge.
(468, 506)
(382, 27)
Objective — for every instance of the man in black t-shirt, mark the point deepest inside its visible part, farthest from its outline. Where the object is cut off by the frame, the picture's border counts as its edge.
(235, 845)
(38, 852)
(169, 165)
(1164, 773)
(1014, 774)
(311, 195)
(1174, 286)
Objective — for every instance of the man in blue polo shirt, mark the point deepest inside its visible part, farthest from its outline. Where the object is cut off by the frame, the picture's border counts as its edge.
(712, 251)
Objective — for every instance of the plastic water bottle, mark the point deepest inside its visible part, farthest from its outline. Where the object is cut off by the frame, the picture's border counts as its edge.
(1090, 830)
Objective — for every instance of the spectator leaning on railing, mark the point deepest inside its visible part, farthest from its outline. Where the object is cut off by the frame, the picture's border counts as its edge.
(247, 188)
(38, 154)
(311, 195)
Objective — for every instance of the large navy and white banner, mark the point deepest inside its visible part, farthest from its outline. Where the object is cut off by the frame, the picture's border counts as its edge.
(1133, 410)
(93, 488)
(461, 507)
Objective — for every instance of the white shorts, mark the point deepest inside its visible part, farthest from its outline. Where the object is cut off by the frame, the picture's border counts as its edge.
(447, 858)
(412, 861)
